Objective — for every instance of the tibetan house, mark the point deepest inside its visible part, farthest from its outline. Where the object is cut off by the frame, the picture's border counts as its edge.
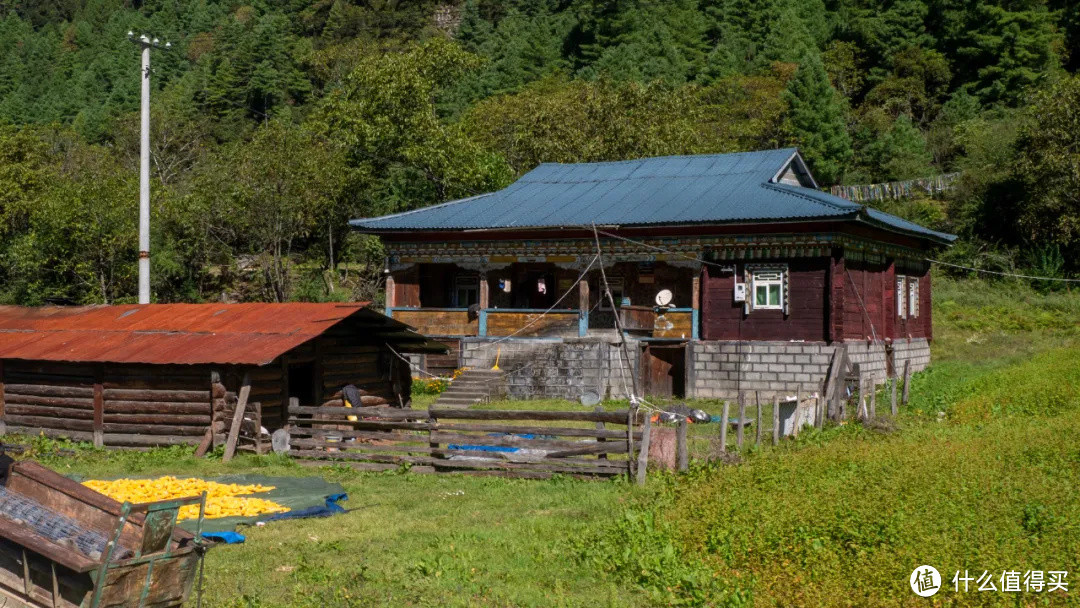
(728, 272)
(161, 374)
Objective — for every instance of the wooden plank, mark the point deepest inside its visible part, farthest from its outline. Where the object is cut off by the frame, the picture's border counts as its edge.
(723, 427)
(45, 390)
(681, 448)
(643, 452)
(125, 394)
(204, 445)
(599, 428)
(907, 381)
(742, 422)
(12, 397)
(892, 396)
(614, 417)
(776, 420)
(99, 407)
(757, 429)
(375, 432)
(167, 407)
(238, 417)
(873, 399)
(595, 467)
(507, 441)
(18, 409)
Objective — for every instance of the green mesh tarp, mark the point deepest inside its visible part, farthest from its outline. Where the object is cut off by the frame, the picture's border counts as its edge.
(290, 492)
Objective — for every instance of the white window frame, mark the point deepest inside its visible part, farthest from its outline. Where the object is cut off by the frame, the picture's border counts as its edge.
(754, 279)
(618, 289)
(901, 296)
(468, 283)
(913, 297)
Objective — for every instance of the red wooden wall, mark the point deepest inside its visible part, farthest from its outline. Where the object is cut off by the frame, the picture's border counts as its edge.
(807, 318)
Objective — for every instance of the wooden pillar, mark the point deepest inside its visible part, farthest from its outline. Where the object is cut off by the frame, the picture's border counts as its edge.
(99, 406)
(3, 418)
(391, 294)
(695, 304)
(836, 295)
(485, 291)
(583, 294)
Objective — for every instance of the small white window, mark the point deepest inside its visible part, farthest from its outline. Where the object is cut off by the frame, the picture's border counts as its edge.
(616, 286)
(767, 288)
(466, 291)
(901, 296)
(913, 297)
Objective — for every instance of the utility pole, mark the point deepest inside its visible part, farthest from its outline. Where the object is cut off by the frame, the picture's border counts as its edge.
(145, 43)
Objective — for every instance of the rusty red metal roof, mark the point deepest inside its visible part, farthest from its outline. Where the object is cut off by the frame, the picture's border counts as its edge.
(179, 333)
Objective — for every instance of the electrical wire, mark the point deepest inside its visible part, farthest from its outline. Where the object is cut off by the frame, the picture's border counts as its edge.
(1003, 274)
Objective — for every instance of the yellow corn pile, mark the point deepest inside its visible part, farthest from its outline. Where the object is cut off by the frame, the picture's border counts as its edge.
(222, 499)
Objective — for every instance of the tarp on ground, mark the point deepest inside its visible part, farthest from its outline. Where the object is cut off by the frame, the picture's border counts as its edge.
(293, 493)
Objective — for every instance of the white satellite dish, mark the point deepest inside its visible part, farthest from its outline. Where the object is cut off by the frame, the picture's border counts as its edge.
(663, 298)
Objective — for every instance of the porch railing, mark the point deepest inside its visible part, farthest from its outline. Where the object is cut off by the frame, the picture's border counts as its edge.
(655, 323)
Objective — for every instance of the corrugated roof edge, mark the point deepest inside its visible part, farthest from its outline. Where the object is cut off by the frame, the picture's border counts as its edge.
(880, 218)
(362, 222)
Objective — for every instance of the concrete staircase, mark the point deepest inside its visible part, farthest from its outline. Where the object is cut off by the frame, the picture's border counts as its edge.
(472, 387)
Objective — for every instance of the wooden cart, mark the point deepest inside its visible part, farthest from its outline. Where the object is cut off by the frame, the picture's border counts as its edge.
(137, 555)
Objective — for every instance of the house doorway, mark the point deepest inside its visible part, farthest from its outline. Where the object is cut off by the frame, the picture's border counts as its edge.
(663, 370)
(302, 383)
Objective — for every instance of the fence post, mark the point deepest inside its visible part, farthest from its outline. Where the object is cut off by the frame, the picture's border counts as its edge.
(775, 419)
(723, 427)
(643, 453)
(757, 424)
(907, 380)
(680, 445)
(630, 419)
(892, 389)
(742, 420)
(873, 398)
(600, 427)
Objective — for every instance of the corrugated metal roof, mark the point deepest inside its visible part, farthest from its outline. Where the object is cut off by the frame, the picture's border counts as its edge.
(715, 188)
(180, 333)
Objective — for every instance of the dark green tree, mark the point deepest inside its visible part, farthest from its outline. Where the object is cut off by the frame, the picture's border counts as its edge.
(817, 120)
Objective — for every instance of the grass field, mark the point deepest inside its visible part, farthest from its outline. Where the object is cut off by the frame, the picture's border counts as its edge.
(838, 517)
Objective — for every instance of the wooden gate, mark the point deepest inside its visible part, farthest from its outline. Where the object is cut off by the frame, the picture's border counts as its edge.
(512, 443)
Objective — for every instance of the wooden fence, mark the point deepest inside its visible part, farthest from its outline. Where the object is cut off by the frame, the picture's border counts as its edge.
(512, 443)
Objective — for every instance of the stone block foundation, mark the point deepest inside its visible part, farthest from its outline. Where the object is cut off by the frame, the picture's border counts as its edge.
(567, 368)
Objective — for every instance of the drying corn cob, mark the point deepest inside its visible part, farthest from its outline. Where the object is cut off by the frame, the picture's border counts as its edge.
(222, 500)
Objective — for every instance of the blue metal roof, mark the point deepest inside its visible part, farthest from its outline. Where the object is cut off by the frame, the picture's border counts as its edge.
(705, 189)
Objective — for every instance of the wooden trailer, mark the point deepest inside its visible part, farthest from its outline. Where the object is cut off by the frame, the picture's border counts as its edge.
(63, 545)
(165, 374)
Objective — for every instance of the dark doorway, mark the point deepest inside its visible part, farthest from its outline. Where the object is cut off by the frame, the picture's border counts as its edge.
(663, 370)
(302, 382)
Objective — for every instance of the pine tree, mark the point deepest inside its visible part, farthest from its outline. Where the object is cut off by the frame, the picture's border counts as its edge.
(817, 119)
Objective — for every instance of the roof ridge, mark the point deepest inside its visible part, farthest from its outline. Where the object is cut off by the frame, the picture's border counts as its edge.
(811, 195)
(647, 158)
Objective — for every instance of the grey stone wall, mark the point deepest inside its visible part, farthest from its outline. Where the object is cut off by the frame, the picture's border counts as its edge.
(537, 368)
(719, 370)
(564, 368)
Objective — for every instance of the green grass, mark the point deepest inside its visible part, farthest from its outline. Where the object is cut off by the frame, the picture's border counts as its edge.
(838, 517)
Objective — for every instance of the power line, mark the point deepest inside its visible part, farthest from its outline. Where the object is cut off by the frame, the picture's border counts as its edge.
(1003, 274)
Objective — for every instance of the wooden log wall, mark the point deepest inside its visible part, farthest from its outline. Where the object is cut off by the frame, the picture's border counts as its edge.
(111, 405)
(383, 378)
(512, 443)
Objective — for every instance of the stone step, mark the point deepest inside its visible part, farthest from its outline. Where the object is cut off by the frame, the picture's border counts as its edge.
(465, 394)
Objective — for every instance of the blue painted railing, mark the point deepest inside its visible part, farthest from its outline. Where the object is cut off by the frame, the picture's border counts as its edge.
(583, 316)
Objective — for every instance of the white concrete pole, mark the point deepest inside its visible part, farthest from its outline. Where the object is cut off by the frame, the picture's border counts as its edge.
(144, 179)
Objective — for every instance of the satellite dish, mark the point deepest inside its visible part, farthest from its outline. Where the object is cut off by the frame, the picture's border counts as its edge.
(590, 398)
(663, 298)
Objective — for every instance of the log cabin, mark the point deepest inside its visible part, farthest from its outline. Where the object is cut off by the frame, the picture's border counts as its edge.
(727, 273)
(163, 374)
